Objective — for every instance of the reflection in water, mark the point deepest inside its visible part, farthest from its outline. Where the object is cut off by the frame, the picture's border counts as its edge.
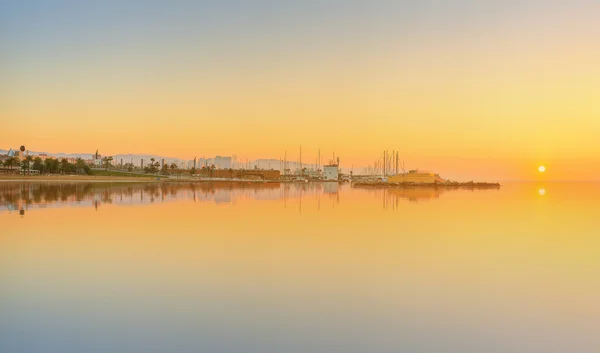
(28, 195)
(24, 196)
(392, 197)
(295, 268)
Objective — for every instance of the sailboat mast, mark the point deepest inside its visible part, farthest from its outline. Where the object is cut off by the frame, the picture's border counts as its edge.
(301, 160)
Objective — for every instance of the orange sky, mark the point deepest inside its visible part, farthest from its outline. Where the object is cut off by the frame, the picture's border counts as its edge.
(489, 91)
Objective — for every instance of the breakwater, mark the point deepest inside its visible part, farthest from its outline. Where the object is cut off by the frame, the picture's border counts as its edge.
(410, 185)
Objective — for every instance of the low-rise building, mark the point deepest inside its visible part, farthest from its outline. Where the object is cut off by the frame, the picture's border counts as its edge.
(331, 172)
(97, 159)
(247, 174)
(417, 177)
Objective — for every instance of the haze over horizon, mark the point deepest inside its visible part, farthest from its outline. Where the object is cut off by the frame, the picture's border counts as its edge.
(468, 89)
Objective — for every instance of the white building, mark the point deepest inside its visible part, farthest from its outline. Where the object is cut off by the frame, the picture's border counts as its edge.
(331, 172)
(97, 159)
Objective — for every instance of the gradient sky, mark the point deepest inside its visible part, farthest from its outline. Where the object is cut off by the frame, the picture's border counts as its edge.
(481, 89)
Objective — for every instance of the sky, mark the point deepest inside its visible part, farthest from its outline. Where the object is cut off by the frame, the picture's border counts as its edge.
(469, 89)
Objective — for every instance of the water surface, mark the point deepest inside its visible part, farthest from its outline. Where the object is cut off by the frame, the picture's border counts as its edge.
(100, 267)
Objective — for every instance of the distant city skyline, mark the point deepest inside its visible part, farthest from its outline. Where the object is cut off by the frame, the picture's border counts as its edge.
(221, 162)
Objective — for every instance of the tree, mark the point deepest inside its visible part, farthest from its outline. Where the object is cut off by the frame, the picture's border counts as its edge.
(48, 165)
(27, 162)
(38, 164)
(81, 167)
(193, 171)
(10, 162)
(165, 169)
(147, 168)
(65, 166)
(212, 169)
(51, 165)
(129, 167)
(152, 167)
(106, 162)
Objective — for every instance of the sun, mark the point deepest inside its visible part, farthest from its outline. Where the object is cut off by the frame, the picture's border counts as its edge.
(541, 169)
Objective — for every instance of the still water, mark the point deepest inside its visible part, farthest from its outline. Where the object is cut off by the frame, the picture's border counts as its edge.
(101, 267)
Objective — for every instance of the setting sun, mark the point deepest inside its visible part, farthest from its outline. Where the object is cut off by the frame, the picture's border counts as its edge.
(541, 169)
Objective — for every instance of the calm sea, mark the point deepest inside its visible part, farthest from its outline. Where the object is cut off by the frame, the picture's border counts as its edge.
(101, 267)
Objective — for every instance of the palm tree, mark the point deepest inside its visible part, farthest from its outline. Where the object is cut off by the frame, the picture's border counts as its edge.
(164, 169)
(10, 162)
(79, 164)
(212, 168)
(106, 161)
(27, 163)
(152, 167)
(65, 166)
(38, 164)
(49, 165)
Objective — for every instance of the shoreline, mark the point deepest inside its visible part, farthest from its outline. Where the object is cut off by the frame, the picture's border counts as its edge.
(76, 178)
(124, 179)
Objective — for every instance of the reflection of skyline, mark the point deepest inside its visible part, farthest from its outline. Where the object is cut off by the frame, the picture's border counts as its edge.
(391, 197)
(30, 195)
(24, 196)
